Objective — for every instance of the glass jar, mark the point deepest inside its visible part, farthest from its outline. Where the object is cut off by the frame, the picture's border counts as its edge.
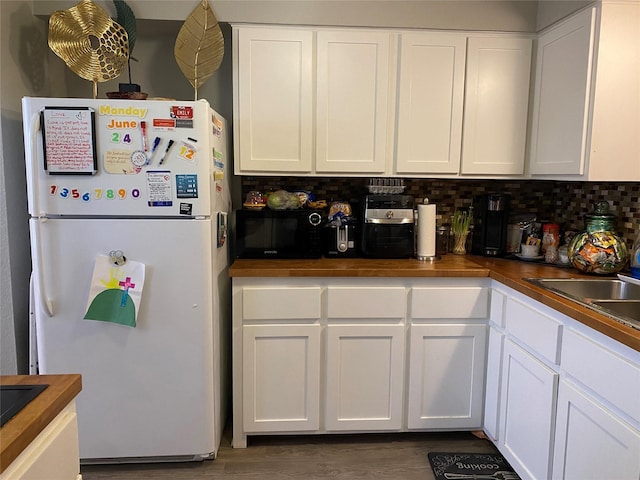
(599, 249)
(442, 240)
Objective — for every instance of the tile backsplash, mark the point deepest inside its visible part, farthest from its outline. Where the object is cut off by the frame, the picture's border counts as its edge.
(565, 203)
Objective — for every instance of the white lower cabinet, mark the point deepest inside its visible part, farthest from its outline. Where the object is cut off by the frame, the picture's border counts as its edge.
(591, 442)
(495, 346)
(528, 401)
(561, 399)
(446, 376)
(53, 455)
(326, 355)
(365, 356)
(365, 366)
(281, 383)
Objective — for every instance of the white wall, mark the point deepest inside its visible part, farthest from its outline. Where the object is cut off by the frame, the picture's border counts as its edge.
(25, 70)
(157, 72)
(509, 15)
(552, 11)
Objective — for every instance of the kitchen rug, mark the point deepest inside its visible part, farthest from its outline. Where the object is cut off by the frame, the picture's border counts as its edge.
(469, 466)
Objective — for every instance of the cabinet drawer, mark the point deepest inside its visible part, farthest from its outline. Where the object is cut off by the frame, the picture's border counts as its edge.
(535, 329)
(450, 302)
(612, 376)
(260, 303)
(366, 302)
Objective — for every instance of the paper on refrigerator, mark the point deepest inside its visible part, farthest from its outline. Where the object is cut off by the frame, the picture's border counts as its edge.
(116, 291)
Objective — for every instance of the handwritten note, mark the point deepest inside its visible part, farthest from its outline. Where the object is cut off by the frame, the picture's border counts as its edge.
(69, 140)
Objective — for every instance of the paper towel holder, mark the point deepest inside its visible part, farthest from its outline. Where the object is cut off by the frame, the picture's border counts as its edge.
(425, 256)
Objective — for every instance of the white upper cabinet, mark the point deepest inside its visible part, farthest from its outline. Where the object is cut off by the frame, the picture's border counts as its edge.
(273, 104)
(586, 120)
(352, 82)
(310, 101)
(496, 105)
(346, 101)
(563, 77)
(462, 104)
(430, 99)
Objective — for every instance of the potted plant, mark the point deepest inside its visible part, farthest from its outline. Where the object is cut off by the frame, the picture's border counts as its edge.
(460, 226)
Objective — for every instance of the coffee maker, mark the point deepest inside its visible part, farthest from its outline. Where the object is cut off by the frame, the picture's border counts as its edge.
(490, 219)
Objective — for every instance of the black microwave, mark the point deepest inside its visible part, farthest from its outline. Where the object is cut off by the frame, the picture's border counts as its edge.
(270, 233)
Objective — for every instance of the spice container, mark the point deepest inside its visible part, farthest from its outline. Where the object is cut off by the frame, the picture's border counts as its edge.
(551, 255)
(599, 249)
(550, 236)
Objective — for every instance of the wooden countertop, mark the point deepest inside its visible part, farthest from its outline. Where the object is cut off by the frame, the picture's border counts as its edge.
(25, 426)
(447, 266)
(507, 271)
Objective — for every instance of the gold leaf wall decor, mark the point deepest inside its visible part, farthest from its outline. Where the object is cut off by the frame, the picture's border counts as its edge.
(92, 45)
(199, 47)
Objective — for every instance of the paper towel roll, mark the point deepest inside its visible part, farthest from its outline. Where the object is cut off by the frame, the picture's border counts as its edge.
(426, 231)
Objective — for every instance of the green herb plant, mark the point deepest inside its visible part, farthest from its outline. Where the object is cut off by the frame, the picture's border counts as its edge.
(461, 222)
(460, 225)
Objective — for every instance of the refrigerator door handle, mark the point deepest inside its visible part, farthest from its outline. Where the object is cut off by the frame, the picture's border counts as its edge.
(33, 341)
(34, 128)
(45, 302)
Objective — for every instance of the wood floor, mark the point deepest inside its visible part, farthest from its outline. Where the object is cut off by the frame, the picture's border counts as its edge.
(400, 456)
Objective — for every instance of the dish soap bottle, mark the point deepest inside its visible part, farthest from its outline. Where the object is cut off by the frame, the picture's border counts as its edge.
(599, 249)
(635, 258)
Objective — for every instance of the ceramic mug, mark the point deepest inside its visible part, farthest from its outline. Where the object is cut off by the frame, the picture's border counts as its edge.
(529, 250)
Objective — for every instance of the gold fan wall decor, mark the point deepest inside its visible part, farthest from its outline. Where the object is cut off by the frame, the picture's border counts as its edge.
(92, 45)
(199, 47)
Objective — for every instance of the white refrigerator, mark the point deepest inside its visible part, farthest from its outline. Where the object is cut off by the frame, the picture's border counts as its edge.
(132, 183)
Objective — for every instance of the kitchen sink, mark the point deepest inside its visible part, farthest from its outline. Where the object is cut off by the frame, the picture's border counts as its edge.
(629, 309)
(614, 298)
(581, 288)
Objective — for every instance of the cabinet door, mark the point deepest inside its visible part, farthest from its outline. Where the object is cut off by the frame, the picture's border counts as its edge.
(281, 378)
(273, 104)
(53, 454)
(561, 96)
(430, 96)
(527, 410)
(446, 376)
(496, 105)
(590, 441)
(352, 101)
(492, 390)
(364, 377)
(615, 143)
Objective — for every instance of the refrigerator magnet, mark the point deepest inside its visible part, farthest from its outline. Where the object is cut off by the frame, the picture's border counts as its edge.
(186, 209)
(159, 188)
(187, 186)
(124, 162)
(187, 151)
(139, 158)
